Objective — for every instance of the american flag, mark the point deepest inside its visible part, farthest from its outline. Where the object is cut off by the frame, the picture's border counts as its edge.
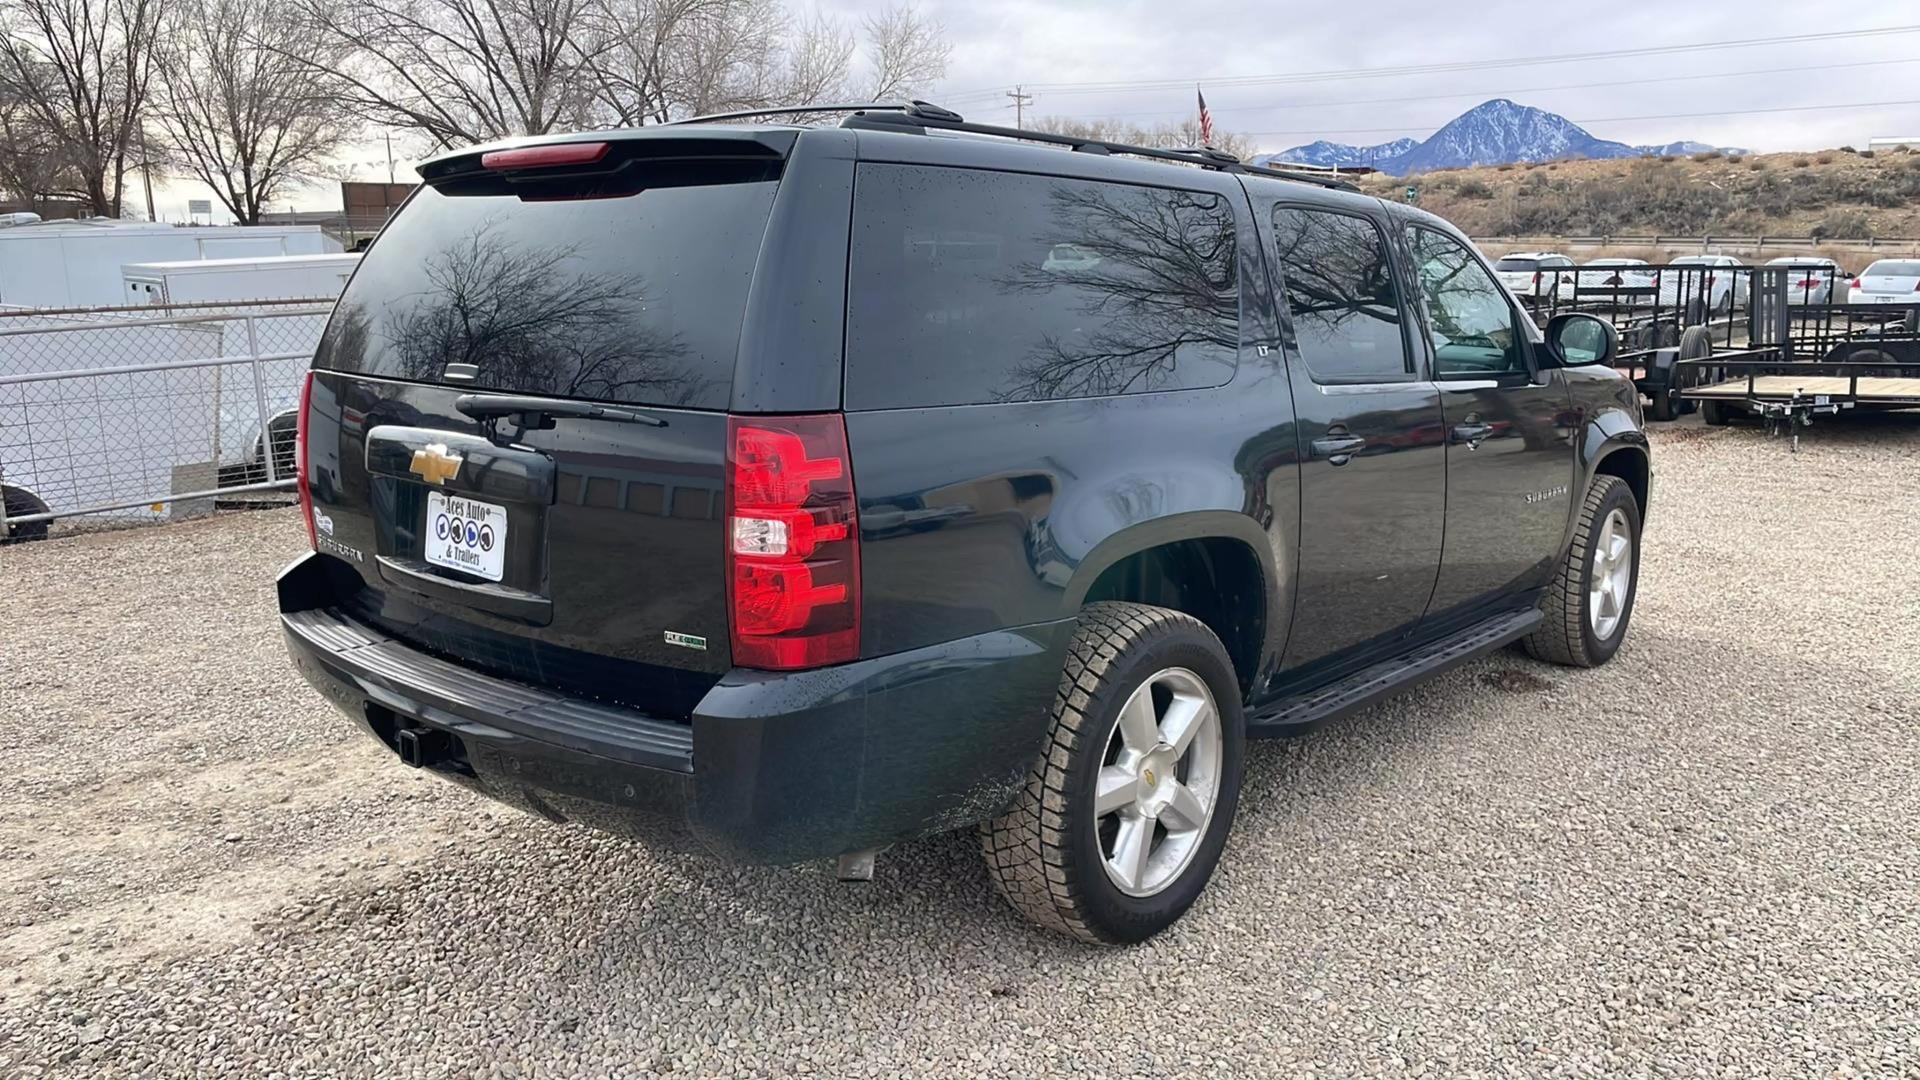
(1206, 119)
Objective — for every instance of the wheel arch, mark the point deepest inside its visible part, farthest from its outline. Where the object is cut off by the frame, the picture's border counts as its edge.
(1185, 562)
(1630, 462)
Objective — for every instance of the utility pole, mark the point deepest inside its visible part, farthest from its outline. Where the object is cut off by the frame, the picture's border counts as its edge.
(389, 156)
(1020, 103)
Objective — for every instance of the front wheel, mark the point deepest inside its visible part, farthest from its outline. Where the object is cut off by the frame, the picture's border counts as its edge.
(1590, 601)
(1122, 819)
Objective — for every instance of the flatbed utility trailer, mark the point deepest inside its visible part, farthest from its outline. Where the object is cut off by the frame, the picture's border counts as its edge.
(1807, 360)
(1664, 314)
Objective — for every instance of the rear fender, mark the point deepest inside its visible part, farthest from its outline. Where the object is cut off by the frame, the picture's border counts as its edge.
(1274, 585)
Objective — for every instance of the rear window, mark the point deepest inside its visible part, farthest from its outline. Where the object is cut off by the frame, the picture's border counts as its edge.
(634, 298)
(970, 287)
(1518, 266)
(1892, 268)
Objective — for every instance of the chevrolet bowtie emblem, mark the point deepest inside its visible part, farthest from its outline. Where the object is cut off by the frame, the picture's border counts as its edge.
(435, 464)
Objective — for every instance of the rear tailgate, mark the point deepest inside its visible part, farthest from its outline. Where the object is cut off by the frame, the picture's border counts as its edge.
(524, 389)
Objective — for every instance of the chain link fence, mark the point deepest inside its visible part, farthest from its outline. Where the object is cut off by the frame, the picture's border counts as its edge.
(140, 414)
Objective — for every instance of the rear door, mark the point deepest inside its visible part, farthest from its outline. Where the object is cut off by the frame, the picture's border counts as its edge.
(527, 379)
(1373, 480)
(1509, 431)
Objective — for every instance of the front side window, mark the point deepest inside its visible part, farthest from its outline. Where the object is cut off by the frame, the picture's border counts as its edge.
(1468, 317)
(1340, 292)
(970, 287)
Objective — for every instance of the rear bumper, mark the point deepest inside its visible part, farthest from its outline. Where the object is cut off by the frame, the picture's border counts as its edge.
(772, 768)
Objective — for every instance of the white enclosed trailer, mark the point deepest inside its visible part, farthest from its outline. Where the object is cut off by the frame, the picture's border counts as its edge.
(69, 264)
(285, 277)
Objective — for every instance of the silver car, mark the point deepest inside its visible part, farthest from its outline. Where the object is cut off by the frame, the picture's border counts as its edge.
(1814, 282)
(1718, 280)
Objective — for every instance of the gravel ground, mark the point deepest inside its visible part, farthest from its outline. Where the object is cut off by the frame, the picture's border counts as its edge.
(1700, 860)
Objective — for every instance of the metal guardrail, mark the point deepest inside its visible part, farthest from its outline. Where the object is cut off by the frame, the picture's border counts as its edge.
(148, 413)
(1705, 245)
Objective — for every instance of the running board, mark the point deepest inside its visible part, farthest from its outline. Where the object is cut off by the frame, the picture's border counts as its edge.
(1300, 713)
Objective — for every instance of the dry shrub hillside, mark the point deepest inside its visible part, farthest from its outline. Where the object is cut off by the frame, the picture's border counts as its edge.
(1829, 195)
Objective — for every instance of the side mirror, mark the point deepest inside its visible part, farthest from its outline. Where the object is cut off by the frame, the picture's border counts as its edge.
(1577, 339)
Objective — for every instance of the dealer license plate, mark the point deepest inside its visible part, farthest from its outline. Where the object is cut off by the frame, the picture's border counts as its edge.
(467, 535)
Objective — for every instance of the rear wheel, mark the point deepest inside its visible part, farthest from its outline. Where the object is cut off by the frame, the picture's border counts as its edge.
(19, 503)
(1715, 414)
(1123, 818)
(1590, 602)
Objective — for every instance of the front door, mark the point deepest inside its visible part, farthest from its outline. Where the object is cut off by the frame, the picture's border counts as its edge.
(1373, 478)
(1510, 459)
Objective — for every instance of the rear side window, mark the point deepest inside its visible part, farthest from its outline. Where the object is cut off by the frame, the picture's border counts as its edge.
(969, 287)
(1341, 294)
(635, 298)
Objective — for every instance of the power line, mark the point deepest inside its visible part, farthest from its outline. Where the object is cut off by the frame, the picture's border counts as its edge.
(1614, 119)
(1145, 85)
(1488, 94)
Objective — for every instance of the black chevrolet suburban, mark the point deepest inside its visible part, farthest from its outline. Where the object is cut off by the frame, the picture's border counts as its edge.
(808, 489)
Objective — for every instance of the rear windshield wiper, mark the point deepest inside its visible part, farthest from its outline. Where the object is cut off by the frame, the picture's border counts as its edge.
(536, 413)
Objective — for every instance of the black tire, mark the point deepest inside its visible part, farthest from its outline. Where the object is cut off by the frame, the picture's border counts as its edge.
(19, 503)
(1567, 634)
(1663, 404)
(1045, 854)
(1715, 414)
(1696, 312)
(1695, 344)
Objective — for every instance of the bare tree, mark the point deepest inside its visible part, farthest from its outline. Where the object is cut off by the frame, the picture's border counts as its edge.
(33, 164)
(460, 71)
(240, 113)
(1177, 136)
(908, 54)
(76, 73)
(465, 71)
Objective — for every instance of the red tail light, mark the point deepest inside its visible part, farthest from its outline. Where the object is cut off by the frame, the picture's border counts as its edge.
(1856, 283)
(793, 543)
(301, 430)
(1536, 280)
(1809, 283)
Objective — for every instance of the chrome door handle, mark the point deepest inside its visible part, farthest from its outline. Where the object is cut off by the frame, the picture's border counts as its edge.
(1338, 449)
(1471, 434)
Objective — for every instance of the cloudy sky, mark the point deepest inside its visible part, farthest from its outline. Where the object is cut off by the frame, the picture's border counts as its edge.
(1288, 73)
(1326, 70)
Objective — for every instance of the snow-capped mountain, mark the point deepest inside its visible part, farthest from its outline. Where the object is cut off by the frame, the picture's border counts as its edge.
(1331, 154)
(1687, 147)
(1498, 132)
(1502, 131)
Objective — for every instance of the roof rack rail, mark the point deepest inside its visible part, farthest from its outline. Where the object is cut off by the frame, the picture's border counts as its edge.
(921, 109)
(921, 115)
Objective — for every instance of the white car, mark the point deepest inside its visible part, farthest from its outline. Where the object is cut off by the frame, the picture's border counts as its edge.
(1814, 284)
(1889, 281)
(1539, 274)
(1631, 280)
(1720, 281)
